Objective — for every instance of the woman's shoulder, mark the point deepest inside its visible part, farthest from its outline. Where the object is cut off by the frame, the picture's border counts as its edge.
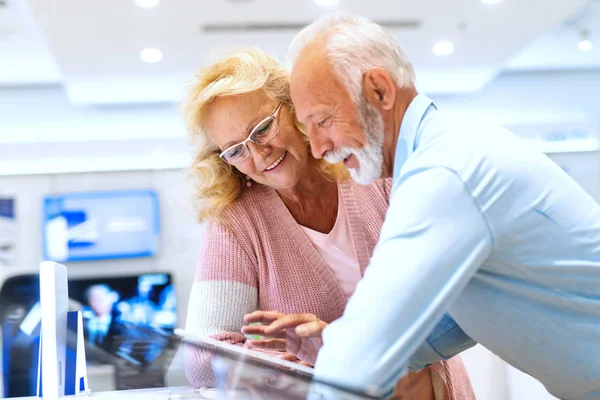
(239, 224)
(381, 188)
(249, 202)
(252, 205)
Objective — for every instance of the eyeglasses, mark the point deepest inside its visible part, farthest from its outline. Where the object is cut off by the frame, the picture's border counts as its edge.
(264, 131)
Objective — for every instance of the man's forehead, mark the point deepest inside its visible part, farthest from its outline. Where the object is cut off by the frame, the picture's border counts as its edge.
(311, 57)
(312, 71)
(313, 82)
(316, 81)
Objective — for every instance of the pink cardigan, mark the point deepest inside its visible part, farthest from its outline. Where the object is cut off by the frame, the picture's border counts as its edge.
(258, 257)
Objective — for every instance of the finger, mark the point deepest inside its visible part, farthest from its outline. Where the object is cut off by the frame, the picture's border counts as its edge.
(269, 344)
(262, 316)
(287, 356)
(306, 364)
(311, 329)
(260, 331)
(290, 321)
(252, 329)
(293, 345)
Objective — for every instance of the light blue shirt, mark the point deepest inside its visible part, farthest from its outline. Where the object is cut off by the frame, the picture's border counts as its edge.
(492, 231)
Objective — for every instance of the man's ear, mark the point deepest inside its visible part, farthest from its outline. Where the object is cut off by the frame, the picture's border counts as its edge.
(379, 88)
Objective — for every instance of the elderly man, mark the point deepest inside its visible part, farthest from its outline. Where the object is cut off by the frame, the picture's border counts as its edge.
(479, 224)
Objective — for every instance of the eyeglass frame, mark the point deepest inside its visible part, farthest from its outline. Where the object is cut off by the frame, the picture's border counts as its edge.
(273, 116)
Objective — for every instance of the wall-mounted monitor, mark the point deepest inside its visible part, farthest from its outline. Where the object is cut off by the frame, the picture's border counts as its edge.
(100, 225)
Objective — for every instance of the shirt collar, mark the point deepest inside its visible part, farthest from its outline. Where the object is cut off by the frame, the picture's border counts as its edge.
(407, 139)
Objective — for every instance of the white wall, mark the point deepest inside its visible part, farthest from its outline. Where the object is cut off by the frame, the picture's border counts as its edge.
(41, 132)
(529, 95)
(43, 114)
(180, 235)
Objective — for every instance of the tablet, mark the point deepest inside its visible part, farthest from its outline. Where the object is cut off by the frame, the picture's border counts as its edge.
(256, 375)
(239, 352)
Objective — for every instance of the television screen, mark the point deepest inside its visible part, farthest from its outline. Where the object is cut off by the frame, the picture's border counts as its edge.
(100, 225)
(130, 318)
(20, 318)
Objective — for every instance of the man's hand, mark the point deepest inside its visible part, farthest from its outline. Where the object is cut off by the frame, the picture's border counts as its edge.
(298, 334)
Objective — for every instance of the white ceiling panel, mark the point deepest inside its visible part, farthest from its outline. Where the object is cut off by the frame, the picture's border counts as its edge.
(24, 55)
(558, 49)
(97, 44)
(93, 47)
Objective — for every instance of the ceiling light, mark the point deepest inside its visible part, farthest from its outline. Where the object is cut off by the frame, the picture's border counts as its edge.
(443, 48)
(151, 55)
(585, 45)
(326, 3)
(491, 1)
(146, 3)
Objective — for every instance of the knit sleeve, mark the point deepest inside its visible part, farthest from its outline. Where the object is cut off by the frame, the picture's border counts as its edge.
(224, 290)
(225, 287)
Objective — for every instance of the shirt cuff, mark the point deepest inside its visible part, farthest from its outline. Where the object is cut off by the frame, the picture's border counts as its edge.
(445, 341)
(424, 356)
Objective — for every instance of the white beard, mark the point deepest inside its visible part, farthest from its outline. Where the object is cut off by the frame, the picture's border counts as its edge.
(370, 156)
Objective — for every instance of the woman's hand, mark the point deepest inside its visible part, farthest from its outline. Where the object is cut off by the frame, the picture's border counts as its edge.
(298, 334)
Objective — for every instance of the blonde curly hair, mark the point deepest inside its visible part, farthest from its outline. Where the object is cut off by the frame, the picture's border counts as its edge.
(216, 183)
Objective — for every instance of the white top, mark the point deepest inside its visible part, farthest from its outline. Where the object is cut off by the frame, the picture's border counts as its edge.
(337, 251)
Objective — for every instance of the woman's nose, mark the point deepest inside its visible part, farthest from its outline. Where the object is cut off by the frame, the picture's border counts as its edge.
(259, 153)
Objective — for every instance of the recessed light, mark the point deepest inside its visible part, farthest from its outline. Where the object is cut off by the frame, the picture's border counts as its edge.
(151, 55)
(147, 3)
(326, 3)
(585, 45)
(443, 48)
(491, 1)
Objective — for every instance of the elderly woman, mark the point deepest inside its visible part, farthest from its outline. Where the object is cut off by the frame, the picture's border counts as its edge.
(286, 232)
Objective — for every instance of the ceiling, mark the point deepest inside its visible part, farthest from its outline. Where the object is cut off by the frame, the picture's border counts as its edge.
(25, 57)
(92, 48)
(557, 49)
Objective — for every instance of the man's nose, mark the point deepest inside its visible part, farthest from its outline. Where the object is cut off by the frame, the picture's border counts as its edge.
(319, 144)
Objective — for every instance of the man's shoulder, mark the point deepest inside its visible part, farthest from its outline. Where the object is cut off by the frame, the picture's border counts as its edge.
(455, 141)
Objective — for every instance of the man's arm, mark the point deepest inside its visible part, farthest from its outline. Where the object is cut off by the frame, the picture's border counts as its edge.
(433, 241)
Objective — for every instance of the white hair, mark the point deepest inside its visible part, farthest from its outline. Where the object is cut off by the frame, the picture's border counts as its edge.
(354, 45)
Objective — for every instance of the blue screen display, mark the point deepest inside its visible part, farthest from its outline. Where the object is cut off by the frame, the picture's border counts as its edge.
(100, 225)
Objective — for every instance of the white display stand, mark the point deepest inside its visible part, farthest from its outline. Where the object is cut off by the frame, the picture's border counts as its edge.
(62, 363)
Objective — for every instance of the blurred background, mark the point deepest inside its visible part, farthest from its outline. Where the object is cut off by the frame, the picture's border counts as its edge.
(90, 137)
